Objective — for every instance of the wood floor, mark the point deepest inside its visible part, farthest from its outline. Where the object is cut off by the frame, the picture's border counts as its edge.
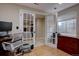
(46, 51)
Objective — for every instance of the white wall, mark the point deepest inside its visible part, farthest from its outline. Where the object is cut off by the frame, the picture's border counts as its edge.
(10, 13)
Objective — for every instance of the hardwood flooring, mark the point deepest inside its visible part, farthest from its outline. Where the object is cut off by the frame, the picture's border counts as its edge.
(46, 51)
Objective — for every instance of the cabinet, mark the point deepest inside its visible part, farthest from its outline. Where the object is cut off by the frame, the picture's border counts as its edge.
(68, 44)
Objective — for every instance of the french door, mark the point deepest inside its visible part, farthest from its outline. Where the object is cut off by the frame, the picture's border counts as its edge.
(50, 34)
(27, 26)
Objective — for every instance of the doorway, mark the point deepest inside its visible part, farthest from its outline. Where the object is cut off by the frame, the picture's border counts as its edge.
(40, 29)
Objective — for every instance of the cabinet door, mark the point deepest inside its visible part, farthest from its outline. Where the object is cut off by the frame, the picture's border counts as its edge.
(68, 44)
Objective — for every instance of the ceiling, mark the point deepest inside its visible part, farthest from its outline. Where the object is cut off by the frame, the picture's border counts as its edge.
(48, 7)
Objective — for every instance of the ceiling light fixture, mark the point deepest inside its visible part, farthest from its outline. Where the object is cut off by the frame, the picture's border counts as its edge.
(59, 3)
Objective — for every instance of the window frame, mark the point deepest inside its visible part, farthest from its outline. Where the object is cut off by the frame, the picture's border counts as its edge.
(68, 34)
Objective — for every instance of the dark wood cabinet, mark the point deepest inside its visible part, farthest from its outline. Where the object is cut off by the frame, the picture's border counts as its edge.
(68, 44)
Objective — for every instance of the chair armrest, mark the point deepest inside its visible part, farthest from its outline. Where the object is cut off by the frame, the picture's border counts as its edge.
(6, 43)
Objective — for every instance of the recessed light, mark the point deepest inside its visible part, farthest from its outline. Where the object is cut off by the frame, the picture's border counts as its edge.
(59, 3)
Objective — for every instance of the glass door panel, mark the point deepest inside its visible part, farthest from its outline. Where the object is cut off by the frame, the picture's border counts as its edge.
(28, 27)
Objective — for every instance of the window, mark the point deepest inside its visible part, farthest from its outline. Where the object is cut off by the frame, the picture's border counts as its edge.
(67, 27)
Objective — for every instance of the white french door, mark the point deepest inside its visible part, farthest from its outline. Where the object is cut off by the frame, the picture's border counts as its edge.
(27, 26)
(50, 36)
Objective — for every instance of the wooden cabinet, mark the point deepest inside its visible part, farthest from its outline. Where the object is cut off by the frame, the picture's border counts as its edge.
(68, 44)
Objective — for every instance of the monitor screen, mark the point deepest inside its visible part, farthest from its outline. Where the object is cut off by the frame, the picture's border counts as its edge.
(5, 26)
